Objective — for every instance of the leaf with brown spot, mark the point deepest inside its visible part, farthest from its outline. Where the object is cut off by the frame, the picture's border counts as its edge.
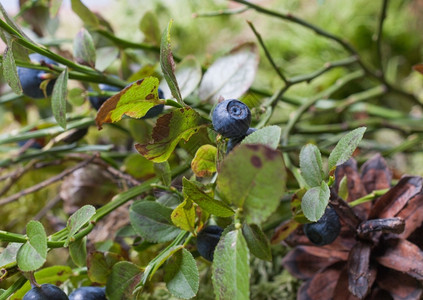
(283, 231)
(403, 256)
(388, 205)
(204, 162)
(360, 279)
(400, 285)
(375, 174)
(171, 128)
(135, 101)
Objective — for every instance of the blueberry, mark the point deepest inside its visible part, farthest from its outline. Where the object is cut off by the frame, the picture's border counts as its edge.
(97, 101)
(325, 230)
(45, 292)
(32, 78)
(231, 118)
(235, 141)
(88, 293)
(207, 240)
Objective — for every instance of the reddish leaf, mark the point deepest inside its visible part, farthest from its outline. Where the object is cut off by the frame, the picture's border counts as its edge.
(360, 279)
(400, 285)
(302, 265)
(403, 256)
(375, 174)
(412, 214)
(388, 205)
(283, 231)
(322, 285)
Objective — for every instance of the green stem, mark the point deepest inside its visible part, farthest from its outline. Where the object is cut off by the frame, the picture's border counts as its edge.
(379, 35)
(13, 288)
(373, 195)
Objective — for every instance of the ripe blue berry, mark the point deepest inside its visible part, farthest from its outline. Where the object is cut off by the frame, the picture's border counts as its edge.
(88, 293)
(31, 78)
(45, 292)
(97, 101)
(325, 230)
(231, 118)
(235, 141)
(207, 240)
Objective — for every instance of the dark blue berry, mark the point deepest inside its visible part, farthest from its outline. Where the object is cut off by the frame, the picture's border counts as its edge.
(231, 118)
(45, 292)
(97, 101)
(31, 78)
(207, 240)
(75, 135)
(88, 293)
(155, 110)
(325, 230)
(235, 141)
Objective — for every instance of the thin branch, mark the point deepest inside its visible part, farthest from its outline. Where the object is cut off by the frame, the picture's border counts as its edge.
(379, 35)
(267, 53)
(46, 183)
(221, 12)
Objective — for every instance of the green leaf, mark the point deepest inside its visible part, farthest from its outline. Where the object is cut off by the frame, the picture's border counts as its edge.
(269, 136)
(230, 268)
(76, 96)
(105, 57)
(168, 65)
(152, 221)
(78, 220)
(78, 252)
(58, 98)
(163, 172)
(138, 166)
(149, 25)
(257, 242)
(188, 75)
(345, 147)
(89, 18)
(32, 255)
(204, 161)
(100, 265)
(83, 48)
(181, 275)
(183, 216)
(213, 206)
(54, 275)
(170, 128)
(311, 165)
(8, 254)
(230, 76)
(314, 202)
(122, 281)
(134, 101)
(253, 178)
(54, 7)
(343, 188)
(10, 72)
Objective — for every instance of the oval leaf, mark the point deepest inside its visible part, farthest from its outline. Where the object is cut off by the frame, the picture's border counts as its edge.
(311, 165)
(269, 136)
(204, 161)
(230, 76)
(152, 221)
(213, 206)
(134, 101)
(168, 65)
(163, 172)
(122, 281)
(32, 255)
(345, 147)
(168, 131)
(181, 275)
(253, 177)
(10, 72)
(78, 252)
(314, 202)
(100, 265)
(58, 98)
(149, 25)
(78, 220)
(230, 269)
(257, 242)
(183, 216)
(83, 48)
(83, 12)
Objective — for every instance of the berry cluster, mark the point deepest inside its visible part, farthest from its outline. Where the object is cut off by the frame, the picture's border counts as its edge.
(50, 291)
